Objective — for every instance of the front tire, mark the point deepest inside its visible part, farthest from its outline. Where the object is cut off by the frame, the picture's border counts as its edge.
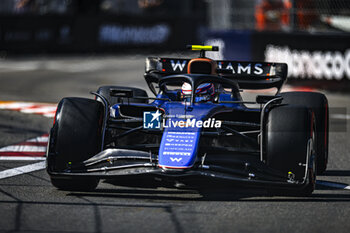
(76, 136)
(289, 140)
(319, 104)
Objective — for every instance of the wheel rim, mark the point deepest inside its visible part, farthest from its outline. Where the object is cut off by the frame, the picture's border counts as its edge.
(313, 169)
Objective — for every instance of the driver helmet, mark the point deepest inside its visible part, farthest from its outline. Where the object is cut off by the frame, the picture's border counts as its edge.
(204, 92)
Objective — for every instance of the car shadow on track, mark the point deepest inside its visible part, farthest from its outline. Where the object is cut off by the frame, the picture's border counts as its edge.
(337, 173)
(222, 195)
(232, 193)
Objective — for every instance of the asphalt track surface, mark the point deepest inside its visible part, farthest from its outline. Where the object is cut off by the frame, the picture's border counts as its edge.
(29, 203)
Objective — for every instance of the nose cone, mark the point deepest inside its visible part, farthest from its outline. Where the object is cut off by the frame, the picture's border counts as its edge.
(178, 149)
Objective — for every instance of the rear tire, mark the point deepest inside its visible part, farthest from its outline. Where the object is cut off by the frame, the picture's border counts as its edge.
(288, 140)
(319, 104)
(105, 92)
(75, 137)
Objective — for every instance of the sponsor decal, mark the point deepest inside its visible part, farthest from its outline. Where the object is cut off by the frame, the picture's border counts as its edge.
(178, 65)
(209, 123)
(16, 35)
(237, 68)
(329, 65)
(151, 120)
(241, 69)
(175, 159)
(117, 34)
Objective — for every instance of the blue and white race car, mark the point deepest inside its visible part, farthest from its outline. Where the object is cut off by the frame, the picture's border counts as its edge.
(196, 128)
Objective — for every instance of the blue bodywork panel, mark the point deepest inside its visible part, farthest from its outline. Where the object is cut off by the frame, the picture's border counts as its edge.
(178, 148)
(179, 144)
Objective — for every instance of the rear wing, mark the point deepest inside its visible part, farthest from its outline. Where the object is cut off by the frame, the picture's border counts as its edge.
(248, 75)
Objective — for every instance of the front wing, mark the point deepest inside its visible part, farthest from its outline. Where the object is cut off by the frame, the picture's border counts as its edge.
(118, 163)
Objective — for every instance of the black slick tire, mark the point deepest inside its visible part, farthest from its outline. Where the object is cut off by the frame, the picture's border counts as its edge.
(319, 105)
(287, 146)
(75, 137)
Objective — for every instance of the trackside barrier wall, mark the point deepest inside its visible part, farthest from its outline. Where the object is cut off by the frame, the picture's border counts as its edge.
(103, 33)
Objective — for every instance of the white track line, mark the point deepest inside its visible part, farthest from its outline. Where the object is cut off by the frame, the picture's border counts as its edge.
(32, 149)
(16, 105)
(22, 170)
(21, 158)
(333, 184)
(340, 116)
(49, 115)
(39, 109)
(39, 139)
(45, 109)
(23, 148)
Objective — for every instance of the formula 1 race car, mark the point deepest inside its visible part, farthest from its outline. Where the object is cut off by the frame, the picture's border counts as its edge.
(196, 128)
